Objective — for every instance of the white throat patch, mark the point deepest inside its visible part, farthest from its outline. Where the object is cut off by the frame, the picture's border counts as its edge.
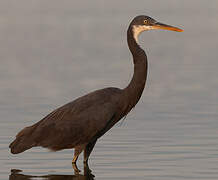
(138, 29)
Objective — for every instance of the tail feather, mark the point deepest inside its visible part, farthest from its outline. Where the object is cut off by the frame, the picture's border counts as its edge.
(23, 141)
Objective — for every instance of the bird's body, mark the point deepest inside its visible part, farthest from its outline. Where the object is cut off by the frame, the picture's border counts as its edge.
(81, 122)
(69, 125)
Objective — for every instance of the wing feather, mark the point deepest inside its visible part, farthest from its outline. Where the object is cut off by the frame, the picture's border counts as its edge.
(77, 122)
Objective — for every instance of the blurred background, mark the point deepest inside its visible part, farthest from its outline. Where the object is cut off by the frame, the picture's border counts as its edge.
(54, 51)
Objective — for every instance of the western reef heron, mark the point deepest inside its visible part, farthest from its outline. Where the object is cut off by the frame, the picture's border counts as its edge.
(81, 122)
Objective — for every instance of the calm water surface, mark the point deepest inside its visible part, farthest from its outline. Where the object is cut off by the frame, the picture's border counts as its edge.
(54, 51)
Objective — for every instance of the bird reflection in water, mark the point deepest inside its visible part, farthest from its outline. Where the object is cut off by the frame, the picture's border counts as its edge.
(87, 175)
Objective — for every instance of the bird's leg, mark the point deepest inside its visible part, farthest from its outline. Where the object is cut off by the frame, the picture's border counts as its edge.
(75, 168)
(88, 172)
(88, 149)
(77, 152)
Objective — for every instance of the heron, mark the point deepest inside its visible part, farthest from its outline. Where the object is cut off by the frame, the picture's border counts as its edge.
(79, 124)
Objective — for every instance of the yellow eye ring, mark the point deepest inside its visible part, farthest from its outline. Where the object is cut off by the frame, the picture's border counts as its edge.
(145, 21)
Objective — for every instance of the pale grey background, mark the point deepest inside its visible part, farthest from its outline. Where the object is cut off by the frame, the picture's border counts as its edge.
(53, 51)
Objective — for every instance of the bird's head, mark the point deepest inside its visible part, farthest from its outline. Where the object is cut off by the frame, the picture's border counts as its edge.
(144, 23)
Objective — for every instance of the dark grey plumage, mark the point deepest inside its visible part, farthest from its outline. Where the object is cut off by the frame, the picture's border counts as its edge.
(80, 123)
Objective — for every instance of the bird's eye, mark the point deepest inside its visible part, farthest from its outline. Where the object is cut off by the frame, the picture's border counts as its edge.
(145, 21)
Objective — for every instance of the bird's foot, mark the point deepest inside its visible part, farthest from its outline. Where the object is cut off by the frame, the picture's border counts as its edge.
(75, 168)
(87, 171)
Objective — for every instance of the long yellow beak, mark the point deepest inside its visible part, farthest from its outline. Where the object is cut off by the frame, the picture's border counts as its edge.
(166, 27)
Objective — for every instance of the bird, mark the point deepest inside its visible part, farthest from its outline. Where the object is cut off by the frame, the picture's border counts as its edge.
(79, 124)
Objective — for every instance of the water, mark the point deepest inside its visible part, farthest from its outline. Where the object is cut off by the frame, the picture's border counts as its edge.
(54, 51)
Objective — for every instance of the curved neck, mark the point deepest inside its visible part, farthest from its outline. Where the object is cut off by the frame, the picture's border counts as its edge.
(136, 86)
(136, 50)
